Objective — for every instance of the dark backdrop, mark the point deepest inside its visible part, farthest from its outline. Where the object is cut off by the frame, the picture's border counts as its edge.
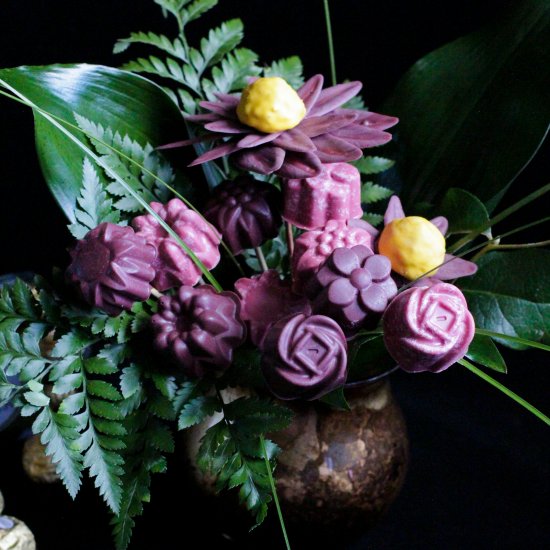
(479, 474)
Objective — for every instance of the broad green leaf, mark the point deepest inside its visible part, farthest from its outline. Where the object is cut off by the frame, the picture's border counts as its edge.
(475, 111)
(510, 294)
(464, 211)
(368, 358)
(130, 103)
(336, 400)
(482, 350)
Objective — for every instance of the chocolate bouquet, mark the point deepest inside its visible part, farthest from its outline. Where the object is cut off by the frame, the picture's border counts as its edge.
(235, 252)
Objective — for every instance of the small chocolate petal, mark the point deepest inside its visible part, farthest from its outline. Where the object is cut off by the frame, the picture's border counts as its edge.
(441, 223)
(204, 117)
(318, 125)
(295, 140)
(254, 140)
(300, 165)
(227, 99)
(334, 149)
(345, 260)
(362, 137)
(227, 127)
(309, 92)
(331, 98)
(264, 160)
(376, 121)
(219, 108)
(216, 153)
(394, 210)
(454, 268)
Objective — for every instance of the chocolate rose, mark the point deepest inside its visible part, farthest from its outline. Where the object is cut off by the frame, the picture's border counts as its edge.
(173, 265)
(244, 210)
(354, 287)
(428, 328)
(304, 357)
(264, 300)
(112, 266)
(200, 326)
(314, 247)
(335, 194)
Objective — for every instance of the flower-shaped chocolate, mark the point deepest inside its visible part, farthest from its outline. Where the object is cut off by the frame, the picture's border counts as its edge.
(173, 265)
(428, 328)
(335, 194)
(244, 212)
(452, 266)
(113, 267)
(304, 357)
(355, 287)
(327, 133)
(200, 327)
(264, 300)
(314, 247)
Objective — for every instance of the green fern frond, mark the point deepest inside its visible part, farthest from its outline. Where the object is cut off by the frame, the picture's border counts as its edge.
(174, 48)
(290, 68)
(372, 192)
(373, 219)
(373, 165)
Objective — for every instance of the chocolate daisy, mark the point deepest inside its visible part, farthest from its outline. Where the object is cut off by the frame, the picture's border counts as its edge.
(327, 132)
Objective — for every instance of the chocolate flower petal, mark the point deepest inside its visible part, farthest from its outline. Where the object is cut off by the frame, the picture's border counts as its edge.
(310, 90)
(441, 223)
(333, 149)
(264, 160)
(394, 210)
(295, 140)
(456, 267)
(227, 126)
(304, 357)
(376, 120)
(299, 165)
(253, 140)
(331, 122)
(331, 98)
(216, 153)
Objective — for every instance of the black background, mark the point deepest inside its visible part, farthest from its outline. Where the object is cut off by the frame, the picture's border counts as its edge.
(479, 474)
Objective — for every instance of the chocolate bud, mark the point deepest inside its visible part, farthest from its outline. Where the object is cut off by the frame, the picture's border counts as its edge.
(200, 327)
(112, 266)
(244, 211)
(304, 357)
(428, 328)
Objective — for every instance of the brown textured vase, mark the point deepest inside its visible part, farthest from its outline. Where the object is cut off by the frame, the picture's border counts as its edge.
(343, 469)
(338, 471)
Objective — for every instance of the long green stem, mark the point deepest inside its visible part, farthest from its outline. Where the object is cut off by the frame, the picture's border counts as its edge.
(516, 339)
(330, 43)
(499, 217)
(261, 258)
(505, 390)
(274, 492)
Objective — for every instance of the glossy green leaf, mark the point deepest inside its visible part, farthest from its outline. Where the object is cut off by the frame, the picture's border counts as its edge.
(482, 350)
(336, 400)
(475, 111)
(510, 294)
(464, 211)
(111, 97)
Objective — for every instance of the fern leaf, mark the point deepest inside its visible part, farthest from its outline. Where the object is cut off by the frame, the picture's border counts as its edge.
(94, 206)
(174, 48)
(373, 165)
(197, 410)
(373, 219)
(372, 192)
(196, 9)
(290, 68)
(219, 42)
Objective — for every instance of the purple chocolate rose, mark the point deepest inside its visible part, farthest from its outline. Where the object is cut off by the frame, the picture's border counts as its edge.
(354, 287)
(428, 328)
(112, 266)
(304, 357)
(200, 326)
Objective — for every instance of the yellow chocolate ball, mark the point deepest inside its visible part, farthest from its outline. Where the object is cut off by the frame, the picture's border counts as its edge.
(270, 105)
(414, 246)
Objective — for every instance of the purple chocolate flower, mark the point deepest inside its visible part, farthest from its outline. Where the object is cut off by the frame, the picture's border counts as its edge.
(304, 357)
(354, 287)
(173, 266)
(428, 328)
(328, 133)
(314, 247)
(454, 267)
(112, 266)
(200, 327)
(244, 212)
(264, 300)
(335, 194)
